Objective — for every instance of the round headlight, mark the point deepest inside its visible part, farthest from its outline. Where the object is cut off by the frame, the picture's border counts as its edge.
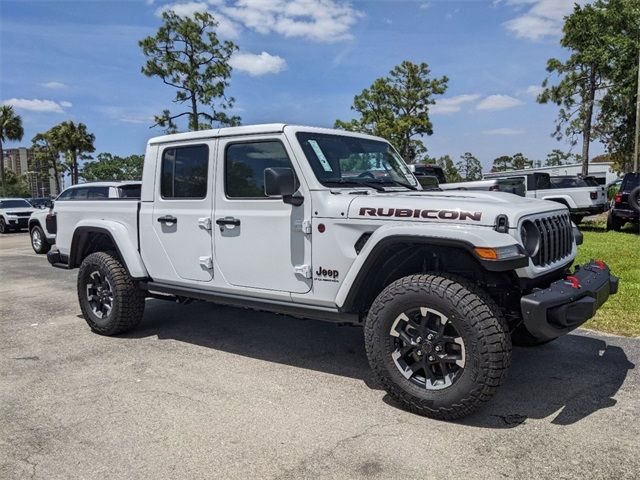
(530, 237)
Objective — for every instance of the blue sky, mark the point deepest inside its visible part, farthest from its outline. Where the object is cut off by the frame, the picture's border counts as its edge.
(300, 61)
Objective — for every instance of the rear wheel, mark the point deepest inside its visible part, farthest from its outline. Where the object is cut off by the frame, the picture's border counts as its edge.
(39, 241)
(110, 300)
(437, 344)
(613, 223)
(634, 199)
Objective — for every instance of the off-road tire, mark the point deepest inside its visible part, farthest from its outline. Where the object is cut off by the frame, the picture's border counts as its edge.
(521, 337)
(128, 299)
(577, 219)
(3, 226)
(613, 223)
(477, 319)
(634, 199)
(44, 246)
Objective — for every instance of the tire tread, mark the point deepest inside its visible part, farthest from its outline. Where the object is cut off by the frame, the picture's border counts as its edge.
(483, 315)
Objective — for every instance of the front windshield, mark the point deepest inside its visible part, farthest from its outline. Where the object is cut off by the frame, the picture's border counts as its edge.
(15, 204)
(344, 161)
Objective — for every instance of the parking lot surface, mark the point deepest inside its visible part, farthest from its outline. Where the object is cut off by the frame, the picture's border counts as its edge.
(202, 391)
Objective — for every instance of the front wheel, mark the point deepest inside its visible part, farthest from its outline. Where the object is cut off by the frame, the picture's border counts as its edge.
(39, 241)
(437, 344)
(3, 226)
(110, 300)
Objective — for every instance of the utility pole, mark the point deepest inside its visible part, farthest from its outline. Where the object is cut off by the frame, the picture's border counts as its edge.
(636, 151)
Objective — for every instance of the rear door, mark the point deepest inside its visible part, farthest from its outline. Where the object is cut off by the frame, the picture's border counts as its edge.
(259, 241)
(181, 217)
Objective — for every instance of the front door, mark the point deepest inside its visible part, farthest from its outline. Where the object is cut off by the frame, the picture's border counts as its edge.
(259, 241)
(181, 219)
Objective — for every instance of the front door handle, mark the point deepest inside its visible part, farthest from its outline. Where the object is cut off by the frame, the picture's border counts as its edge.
(228, 221)
(168, 219)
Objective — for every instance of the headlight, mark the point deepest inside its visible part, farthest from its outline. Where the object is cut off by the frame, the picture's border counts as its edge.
(530, 237)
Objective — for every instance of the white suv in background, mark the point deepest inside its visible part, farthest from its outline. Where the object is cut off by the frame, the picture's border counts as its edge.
(42, 230)
(14, 214)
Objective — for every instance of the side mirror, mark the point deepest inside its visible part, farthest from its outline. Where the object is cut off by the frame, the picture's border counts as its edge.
(281, 182)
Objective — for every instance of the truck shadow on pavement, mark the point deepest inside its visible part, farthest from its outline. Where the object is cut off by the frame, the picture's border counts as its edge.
(572, 377)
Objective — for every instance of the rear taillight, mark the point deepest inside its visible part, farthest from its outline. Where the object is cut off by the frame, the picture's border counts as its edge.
(593, 195)
(618, 198)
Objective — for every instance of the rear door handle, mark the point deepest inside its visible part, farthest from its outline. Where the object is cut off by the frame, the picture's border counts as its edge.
(228, 221)
(168, 219)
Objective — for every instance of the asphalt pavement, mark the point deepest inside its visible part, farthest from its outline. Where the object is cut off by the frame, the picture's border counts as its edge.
(202, 391)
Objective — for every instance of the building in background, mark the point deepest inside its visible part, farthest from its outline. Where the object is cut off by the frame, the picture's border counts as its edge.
(22, 161)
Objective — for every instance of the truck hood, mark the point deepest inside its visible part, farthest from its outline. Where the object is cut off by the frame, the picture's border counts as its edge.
(18, 211)
(464, 207)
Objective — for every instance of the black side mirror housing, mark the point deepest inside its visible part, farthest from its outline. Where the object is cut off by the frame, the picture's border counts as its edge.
(282, 182)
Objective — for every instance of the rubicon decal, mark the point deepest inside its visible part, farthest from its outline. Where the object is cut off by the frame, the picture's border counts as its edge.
(420, 213)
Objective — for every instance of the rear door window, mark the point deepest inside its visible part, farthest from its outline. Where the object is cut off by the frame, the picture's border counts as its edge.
(97, 193)
(184, 172)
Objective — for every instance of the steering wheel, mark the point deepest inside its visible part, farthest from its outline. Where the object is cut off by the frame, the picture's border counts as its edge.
(366, 174)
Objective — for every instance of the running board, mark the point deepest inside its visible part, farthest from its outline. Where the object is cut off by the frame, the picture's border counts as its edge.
(58, 260)
(273, 306)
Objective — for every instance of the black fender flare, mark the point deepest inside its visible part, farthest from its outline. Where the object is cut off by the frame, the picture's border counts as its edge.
(382, 246)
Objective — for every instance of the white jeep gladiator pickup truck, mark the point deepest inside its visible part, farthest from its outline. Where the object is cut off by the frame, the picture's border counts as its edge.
(331, 225)
(579, 197)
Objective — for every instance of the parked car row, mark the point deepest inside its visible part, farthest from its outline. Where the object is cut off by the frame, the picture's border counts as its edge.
(38, 216)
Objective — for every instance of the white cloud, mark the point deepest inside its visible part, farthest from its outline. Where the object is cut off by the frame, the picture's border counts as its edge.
(53, 85)
(498, 102)
(543, 18)
(504, 131)
(318, 20)
(533, 90)
(256, 65)
(226, 27)
(452, 104)
(66, 104)
(425, 5)
(37, 105)
(186, 9)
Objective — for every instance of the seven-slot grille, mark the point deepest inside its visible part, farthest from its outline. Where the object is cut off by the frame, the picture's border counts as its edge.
(20, 214)
(556, 239)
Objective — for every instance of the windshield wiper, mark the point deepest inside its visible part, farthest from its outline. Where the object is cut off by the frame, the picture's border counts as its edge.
(375, 185)
(401, 184)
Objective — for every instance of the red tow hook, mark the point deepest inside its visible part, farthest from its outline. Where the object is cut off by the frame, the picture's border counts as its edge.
(600, 264)
(574, 281)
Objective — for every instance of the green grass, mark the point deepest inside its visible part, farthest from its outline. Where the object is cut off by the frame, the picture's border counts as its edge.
(621, 251)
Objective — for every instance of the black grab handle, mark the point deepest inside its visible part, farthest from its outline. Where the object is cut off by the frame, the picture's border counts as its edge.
(228, 221)
(167, 219)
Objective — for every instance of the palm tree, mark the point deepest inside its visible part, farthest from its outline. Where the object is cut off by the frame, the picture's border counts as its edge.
(75, 141)
(10, 129)
(45, 149)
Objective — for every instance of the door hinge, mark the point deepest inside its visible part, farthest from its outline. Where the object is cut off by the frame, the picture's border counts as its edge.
(205, 223)
(304, 226)
(206, 262)
(303, 270)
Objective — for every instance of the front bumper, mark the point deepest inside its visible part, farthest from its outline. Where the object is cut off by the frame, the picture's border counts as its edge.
(568, 303)
(18, 222)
